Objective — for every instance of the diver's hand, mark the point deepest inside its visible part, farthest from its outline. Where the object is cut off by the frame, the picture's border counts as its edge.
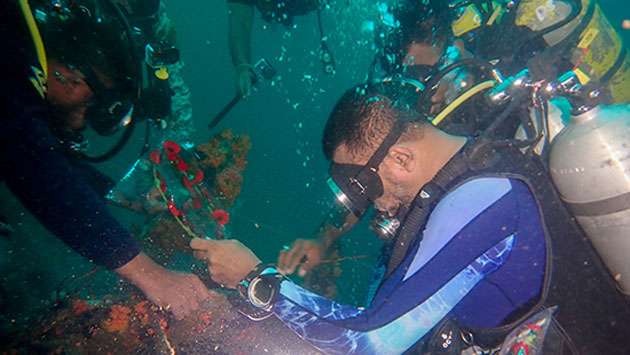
(229, 261)
(244, 79)
(304, 255)
(179, 293)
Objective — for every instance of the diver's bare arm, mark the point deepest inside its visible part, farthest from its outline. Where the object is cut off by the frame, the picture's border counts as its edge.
(180, 293)
(240, 21)
(327, 234)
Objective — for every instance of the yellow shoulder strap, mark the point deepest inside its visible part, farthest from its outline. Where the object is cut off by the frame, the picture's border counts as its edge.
(35, 35)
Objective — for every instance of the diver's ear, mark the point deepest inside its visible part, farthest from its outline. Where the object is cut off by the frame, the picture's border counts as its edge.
(402, 157)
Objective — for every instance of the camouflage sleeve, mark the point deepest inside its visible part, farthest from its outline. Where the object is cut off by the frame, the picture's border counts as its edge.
(180, 123)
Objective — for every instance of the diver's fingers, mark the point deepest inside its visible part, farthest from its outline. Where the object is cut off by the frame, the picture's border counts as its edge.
(202, 244)
(286, 257)
(296, 254)
(307, 266)
(282, 260)
(200, 255)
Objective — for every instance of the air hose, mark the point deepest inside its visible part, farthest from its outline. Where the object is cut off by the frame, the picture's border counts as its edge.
(434, 79)
(35, 35)
(129, 129)
(461, 99)
(124, 139)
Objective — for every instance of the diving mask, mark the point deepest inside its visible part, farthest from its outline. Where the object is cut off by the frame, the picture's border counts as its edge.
(357, 187)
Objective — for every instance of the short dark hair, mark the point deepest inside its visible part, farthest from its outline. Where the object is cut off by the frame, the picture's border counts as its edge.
(360, 119)
(425, 21)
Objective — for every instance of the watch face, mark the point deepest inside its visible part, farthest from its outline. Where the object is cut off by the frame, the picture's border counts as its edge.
(262, 291)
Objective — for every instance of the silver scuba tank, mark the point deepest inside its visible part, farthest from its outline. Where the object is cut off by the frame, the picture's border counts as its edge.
(590, 166)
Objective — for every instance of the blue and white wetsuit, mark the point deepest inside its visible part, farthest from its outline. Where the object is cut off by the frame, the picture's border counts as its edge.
(481, 258)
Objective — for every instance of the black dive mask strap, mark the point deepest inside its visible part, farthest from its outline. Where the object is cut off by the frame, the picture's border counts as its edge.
(381, 152)
(362, 185)
(369, 172)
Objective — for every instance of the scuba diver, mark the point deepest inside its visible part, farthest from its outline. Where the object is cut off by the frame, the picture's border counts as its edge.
(159, 31)
(536, 47)
(81, 69)
(480, 243)
(547, 37)
(444, 47)
(240, 21)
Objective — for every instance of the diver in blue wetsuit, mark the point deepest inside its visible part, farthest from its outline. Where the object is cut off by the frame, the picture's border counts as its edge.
(474, 246)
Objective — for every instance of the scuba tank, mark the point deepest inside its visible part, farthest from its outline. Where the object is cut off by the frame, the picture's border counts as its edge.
(590, 166)
(588, 162)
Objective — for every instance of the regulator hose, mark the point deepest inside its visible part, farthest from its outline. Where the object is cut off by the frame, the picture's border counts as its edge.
(434, 79)
(129, 129)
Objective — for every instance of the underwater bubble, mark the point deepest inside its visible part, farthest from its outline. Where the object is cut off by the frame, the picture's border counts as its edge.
(367, 26)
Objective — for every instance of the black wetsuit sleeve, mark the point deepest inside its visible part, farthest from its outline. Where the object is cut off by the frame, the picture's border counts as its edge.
(58, 192)
(100, 182)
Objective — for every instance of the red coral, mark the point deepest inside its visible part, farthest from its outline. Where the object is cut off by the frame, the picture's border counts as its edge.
(118, 319)
(217, 160)
(221, 217)
(227, 134)
(163, 324)
(228, 183)
(79, 307)
(141, 312)
(240, 163)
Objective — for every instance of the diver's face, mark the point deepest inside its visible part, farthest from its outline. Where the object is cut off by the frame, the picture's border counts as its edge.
(418, 53)
(396, 172)
(69, 94)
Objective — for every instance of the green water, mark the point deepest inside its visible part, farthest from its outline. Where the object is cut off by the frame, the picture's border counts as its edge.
(284, 188)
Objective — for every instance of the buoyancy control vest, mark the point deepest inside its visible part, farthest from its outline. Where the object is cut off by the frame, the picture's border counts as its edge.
(592, 314)
(534, 36)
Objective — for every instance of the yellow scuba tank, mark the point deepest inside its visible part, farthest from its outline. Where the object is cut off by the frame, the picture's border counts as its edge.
(598, 56)
(590, 166)
(579, 31)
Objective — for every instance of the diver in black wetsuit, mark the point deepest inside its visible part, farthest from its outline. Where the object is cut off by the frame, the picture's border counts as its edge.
(57, 85)
(240, 21)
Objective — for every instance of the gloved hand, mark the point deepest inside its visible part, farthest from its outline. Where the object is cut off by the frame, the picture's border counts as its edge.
(244, 79)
